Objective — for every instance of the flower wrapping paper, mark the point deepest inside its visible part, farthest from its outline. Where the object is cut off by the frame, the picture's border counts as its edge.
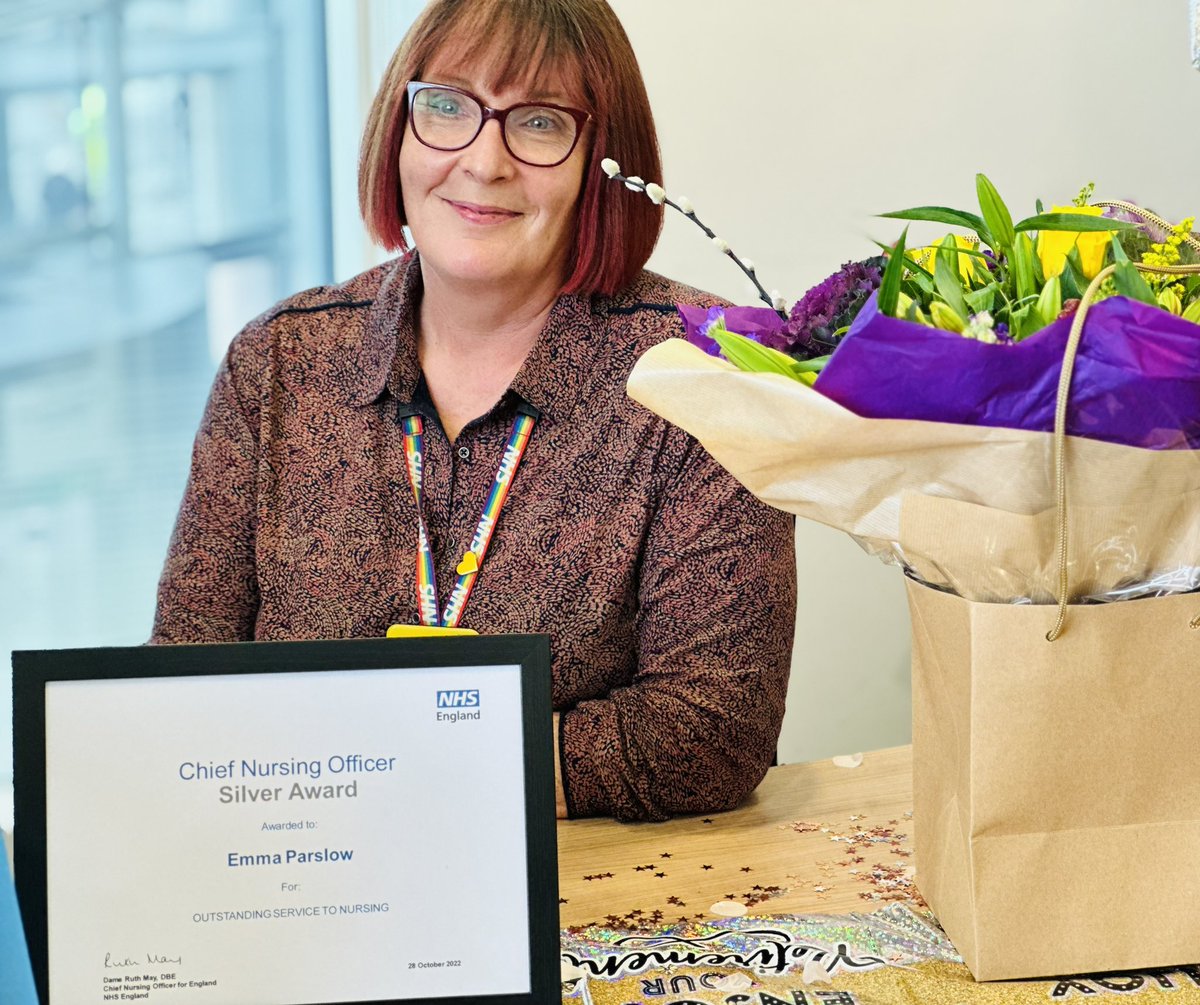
(964, 507)
(1135, 379)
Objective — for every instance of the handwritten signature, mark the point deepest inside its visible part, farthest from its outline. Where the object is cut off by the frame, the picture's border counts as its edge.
(151, 959)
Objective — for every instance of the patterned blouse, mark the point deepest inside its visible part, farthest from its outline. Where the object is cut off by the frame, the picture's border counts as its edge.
(667, 590)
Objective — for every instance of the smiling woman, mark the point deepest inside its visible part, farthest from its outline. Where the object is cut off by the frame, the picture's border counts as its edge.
(459, 416)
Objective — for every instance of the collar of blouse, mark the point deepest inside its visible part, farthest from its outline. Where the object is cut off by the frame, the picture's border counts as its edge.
(385, 356)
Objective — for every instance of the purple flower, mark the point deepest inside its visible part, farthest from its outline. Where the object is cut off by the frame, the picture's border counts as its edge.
(1155, 233)
(832, 304)
(760, 324)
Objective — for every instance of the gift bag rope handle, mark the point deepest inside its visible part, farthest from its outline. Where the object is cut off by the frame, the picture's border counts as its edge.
(1064, 391)
(1146, 217)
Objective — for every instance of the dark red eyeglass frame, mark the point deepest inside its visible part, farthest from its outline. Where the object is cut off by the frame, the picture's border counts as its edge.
(500, 115)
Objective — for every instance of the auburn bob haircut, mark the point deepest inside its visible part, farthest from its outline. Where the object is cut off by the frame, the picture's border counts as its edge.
(513, 42)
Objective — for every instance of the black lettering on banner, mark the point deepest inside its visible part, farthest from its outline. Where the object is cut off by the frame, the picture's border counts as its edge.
(1065, 988)
(1124, 983)
(777, 954)
(845, 959)
(1121, 982)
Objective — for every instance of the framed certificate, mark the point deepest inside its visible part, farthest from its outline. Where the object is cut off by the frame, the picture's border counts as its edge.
(280, 823)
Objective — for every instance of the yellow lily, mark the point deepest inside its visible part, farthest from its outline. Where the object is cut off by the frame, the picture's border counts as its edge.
(1054, 245)
(927, 256)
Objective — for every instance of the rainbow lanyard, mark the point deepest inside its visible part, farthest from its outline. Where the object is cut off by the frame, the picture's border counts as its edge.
(468, 567)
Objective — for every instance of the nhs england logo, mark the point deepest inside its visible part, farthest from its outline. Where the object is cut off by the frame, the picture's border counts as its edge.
(458, 699)
(465, 706)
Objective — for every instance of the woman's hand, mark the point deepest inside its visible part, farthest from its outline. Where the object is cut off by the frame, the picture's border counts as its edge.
(560, 797)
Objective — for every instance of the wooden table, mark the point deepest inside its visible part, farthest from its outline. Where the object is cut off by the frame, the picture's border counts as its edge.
(813, 838)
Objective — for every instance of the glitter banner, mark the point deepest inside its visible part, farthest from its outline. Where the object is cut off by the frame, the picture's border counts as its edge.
(894, 956)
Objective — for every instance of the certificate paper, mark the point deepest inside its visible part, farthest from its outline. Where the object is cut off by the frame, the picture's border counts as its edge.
(350, 835)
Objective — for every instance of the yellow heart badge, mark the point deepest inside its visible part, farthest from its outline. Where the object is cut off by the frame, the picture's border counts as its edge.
(468, 565)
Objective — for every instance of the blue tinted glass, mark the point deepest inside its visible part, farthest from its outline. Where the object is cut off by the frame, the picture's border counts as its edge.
(164, 175)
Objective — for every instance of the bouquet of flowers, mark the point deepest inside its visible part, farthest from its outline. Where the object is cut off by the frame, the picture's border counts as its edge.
(935, 402)
(960, 346)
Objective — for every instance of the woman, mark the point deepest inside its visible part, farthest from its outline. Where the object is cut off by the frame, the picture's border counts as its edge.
(668, 592)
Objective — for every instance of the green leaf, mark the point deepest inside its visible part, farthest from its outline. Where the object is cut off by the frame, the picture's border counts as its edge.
(995, 214)
(1033, 324)
(1038, 205)
(1022, 265)
(1050, 302)
(1128, 280)
(1071, 279)
(969, 252)
(746, 354)
(1192, 312)
(945, 277)
(1073, 223)
(889, 288)
(1169, 301)
(980, 275)
(813, 365)
(982, 300)
(943, 214)
(919, 273)
(917, 316)
(1130, 284)
(1073, 274)
(920, 283)
(1022, 322)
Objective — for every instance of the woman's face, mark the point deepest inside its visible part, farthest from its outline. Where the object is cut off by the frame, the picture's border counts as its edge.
(478, 215)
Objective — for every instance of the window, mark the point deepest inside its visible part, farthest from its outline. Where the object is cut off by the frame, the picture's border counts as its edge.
(164, 176)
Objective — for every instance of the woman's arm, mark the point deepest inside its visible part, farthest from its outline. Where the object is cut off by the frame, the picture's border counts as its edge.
(208, 591)
(696, 729)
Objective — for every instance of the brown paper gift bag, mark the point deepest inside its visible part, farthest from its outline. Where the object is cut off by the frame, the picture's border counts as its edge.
(1056, 781)
(1057, 786)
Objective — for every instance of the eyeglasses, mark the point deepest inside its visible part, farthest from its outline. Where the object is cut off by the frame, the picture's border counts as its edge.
(538, 134)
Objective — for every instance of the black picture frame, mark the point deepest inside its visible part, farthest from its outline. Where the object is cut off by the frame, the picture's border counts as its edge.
(33, 670)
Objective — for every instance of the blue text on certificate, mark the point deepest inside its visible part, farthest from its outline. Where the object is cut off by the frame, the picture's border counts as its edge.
(290, 857)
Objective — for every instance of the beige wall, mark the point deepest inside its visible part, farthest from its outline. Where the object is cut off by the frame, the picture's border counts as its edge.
(788, 123)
